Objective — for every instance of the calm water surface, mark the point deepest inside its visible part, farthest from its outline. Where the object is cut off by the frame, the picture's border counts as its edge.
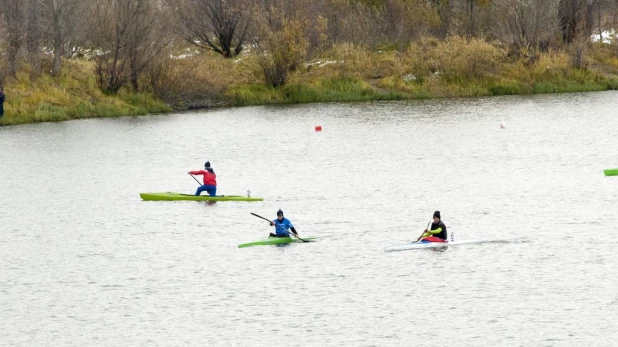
(85, 262)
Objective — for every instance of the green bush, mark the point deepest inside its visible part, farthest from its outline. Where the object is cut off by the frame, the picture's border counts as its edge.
(253, 94)
(505, 89)
(298, 93)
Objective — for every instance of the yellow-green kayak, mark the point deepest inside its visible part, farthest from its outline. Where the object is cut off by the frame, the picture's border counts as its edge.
(171, 196)
(611, 172)
(276, 241)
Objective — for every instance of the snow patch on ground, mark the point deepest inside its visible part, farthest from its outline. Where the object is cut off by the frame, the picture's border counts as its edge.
(324, 63)
(607, 36)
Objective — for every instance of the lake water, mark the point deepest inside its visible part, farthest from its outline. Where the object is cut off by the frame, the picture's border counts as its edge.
(85, 262)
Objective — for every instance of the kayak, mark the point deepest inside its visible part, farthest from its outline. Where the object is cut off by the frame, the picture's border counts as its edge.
(425, 242)
(170, 196)
(425, 245)
(611, 172)
(276, 241)
(417, 245)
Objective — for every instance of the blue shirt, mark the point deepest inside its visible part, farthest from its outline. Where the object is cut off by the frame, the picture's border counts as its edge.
(282, 228)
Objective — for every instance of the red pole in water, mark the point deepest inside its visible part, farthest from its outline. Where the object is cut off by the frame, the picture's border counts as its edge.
(318, 128)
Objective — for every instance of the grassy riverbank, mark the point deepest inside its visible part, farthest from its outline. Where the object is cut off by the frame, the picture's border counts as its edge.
(427, 69)
(73, 95)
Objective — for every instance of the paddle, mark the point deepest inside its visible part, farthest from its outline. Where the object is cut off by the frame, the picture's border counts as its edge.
(261, 217)
(423, 232)
(198, 182)
(269, 221)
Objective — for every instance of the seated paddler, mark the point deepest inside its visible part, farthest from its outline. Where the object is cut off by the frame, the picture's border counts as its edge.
(437, 231)
(282, 226)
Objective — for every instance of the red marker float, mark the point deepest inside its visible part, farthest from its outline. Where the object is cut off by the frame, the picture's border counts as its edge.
(318, 128)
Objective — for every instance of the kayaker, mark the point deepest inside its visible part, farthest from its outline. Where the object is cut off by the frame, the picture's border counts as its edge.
(437, 229)
(282, 226)
(210, 180)
(1, 101)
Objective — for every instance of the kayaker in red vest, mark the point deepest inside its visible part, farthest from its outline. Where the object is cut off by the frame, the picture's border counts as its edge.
(437, 229)
(210, 180)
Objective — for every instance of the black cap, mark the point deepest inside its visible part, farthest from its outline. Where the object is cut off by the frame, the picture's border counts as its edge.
(207, 164)
(437, 214)
(279, 213)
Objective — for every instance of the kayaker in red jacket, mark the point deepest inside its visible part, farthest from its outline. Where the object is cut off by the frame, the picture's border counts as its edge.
(437, 229)
(210, 180)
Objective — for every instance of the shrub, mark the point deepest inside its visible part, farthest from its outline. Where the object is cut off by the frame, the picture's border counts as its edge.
(455, 58)
(505, 89)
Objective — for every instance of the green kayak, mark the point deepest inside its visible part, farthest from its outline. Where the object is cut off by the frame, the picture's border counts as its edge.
(276, 241)
(169, 196)
(611, 172)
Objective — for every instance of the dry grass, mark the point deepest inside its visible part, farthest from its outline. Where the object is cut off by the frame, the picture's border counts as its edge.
(73, 94)
(427, 68)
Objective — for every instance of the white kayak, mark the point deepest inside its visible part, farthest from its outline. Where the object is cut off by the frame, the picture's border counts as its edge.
(424, 245)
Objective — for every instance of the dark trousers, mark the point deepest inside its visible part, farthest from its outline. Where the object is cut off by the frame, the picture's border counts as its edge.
(212, 190)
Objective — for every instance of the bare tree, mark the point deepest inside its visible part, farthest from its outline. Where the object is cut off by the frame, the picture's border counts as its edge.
(524, 23)
(408, 19)
(33, 37)
(146, 40)
(110, 41)
(60, 18)
(281, 42)
(354, 21)
(445, 12)
(577, 18)
(124, 40)
(218, 25)
(15, 17)
(570, 16)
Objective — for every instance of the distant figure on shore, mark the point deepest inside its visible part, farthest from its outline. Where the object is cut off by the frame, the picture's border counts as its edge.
(1, 102)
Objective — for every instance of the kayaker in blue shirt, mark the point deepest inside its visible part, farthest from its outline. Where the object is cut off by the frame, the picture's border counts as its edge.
(437, 229)
(282, 226)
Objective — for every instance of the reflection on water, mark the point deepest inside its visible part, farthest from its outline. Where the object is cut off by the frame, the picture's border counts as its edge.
(85, 262)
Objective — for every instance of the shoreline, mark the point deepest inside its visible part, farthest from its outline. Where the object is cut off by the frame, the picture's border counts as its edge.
(453, 69)
(287, 102)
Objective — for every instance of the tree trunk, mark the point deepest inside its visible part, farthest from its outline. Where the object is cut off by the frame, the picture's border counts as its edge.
(58, 46)
(471, 18)
(33, 42)
(589, 19)
(14, 16)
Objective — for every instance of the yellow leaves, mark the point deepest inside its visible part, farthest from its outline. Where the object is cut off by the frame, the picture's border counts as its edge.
(283, 50)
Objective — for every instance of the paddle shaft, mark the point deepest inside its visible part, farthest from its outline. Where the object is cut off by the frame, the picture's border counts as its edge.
(424, 231)
(198, 182)
(261, 217)
(295, 235)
